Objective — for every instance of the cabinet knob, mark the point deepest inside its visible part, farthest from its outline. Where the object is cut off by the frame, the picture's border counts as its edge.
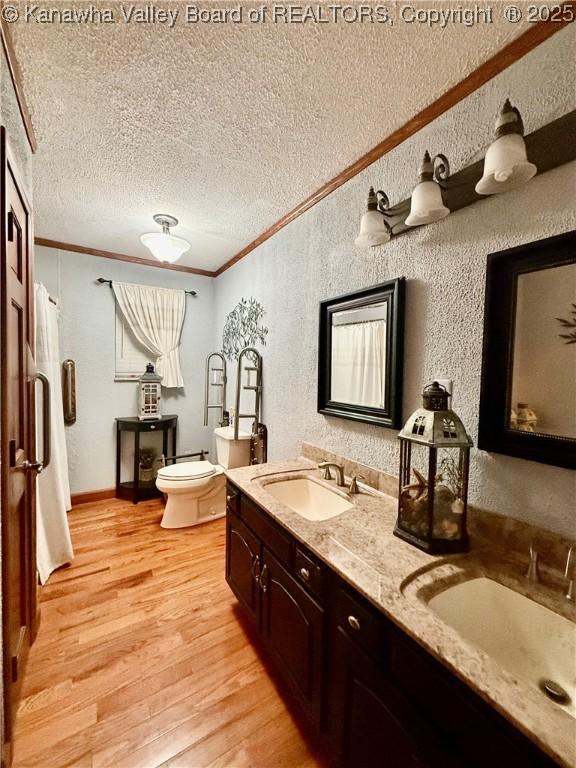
(354, 623)
(152, 426)
(229, 499)
(304, 574)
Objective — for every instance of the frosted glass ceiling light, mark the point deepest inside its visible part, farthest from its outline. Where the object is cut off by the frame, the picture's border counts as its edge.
(506, 164)
(426, 204)
(374, 229)
(162, 245)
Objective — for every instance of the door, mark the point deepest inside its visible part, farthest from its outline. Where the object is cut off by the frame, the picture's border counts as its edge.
(243, 565)
(17, 437)
(371, 724)
(293, 630)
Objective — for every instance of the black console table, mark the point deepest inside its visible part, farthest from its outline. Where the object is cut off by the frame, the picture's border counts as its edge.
(134, 490)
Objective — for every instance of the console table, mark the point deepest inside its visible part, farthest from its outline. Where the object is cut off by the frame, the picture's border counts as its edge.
(134, 490)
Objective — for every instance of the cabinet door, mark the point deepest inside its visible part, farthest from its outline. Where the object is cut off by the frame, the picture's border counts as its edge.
(293, 630)
(370, 723)
(243, 565)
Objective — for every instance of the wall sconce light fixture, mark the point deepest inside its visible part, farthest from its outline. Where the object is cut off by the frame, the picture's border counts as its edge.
(506, 164)
(426, 205)
(162, 245)
(374, 229)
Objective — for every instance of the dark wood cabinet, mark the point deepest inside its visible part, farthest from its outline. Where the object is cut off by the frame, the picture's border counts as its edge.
(374, 697)
(292, 629)
(266, 575)
(243, 565)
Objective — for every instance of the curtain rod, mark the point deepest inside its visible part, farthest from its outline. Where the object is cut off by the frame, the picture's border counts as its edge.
(103, 280)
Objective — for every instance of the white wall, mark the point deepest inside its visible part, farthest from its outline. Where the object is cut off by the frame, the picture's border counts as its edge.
(314, 258)
(87, 336)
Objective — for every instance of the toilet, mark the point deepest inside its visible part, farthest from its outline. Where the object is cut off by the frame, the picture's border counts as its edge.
(196, 490)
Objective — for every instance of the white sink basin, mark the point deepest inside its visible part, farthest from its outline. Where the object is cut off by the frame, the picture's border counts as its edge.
(308, 498)
(530, 641)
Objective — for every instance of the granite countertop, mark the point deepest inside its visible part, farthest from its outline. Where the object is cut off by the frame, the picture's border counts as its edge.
(396, 577)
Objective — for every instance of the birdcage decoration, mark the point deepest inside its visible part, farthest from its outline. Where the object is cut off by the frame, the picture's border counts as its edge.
(434, 464)
(149, 395)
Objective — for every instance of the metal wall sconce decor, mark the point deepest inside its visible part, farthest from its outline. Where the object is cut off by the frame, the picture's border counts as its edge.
(427, 205)
(511, 161)
(374, 229)
(506, 165)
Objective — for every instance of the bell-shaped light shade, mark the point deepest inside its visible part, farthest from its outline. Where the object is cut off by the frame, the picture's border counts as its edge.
(506, 166)
(426, 204)
(165, 247)
(373, 230)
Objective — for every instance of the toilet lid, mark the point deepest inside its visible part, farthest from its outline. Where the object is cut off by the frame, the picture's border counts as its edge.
(187, 470)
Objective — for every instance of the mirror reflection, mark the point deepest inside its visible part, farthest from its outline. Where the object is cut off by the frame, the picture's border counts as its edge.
(358, 359)
(543, 388)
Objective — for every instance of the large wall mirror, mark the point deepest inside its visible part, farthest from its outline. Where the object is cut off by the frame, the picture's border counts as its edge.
(528, 401)
(361, 355)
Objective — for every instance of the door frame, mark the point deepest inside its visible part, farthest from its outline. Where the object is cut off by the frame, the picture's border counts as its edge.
(9, 166)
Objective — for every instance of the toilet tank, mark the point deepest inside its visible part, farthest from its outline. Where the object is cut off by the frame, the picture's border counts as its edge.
(232, 453)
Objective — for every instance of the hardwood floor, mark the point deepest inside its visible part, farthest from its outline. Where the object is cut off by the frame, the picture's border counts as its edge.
(141, 660)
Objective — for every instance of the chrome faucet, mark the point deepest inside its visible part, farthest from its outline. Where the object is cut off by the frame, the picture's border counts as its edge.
(533, 574)
(339, 472)
(569, 580)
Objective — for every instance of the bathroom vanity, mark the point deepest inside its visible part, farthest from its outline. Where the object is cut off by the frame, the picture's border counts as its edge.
(376, 680)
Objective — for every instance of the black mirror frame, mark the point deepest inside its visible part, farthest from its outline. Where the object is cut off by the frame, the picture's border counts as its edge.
(503, 270)
(392, 291)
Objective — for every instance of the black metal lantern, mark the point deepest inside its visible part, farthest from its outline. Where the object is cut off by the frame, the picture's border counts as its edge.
(435, 452)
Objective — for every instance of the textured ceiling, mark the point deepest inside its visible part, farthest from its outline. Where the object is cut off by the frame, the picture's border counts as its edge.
(225, 126)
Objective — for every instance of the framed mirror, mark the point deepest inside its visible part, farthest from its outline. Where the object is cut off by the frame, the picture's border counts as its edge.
(528, 398)
(360, 355)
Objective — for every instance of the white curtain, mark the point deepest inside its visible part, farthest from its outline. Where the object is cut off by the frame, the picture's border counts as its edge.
(358, 363)
(53, 543)
(155, 316)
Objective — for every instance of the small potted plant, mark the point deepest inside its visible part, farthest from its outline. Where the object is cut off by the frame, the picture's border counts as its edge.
(146, 463)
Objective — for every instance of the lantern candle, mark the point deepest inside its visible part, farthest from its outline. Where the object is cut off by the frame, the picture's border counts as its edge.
(433, 496)
(149, 396)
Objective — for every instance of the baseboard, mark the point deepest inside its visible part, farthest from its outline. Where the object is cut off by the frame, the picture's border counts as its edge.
(86, 497)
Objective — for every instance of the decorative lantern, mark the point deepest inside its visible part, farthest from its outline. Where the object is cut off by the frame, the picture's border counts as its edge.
(434, 462)
(149, 395)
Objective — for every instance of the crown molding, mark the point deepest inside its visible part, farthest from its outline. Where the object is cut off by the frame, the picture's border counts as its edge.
(61, 246)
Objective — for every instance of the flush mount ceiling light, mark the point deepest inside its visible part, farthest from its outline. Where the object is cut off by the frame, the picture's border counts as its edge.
(162, 245)
(506, 164)
(426, 205)
(374, 229)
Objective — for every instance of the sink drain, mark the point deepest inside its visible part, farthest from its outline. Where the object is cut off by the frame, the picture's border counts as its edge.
(554, 691)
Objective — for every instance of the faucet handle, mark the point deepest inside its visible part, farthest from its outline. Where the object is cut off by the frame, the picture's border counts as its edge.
(354, 484)
(326, 467)
(570, 581)
(533, 574)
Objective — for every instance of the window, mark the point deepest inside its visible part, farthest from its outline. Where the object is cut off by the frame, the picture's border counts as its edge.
(131, 356)
(419, 425)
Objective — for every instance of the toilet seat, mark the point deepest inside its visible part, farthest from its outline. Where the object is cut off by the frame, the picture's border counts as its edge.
(188, 470)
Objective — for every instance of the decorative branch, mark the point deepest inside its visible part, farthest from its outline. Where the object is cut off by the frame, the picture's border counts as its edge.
(243, 328)
(570, 323)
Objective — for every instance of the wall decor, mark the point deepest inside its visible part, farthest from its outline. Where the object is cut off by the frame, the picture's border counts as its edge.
(243, 328)
(360, 354)
(528, 378)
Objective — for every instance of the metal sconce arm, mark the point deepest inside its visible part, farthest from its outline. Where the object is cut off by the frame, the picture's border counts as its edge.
(441, 168)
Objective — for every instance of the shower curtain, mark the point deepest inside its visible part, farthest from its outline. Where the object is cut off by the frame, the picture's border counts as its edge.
(358, 363)
(53, 545)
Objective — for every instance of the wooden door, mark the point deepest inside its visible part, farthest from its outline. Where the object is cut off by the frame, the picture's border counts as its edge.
(293, 630)
(371, 724)
(17, 437)
(243, 565)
